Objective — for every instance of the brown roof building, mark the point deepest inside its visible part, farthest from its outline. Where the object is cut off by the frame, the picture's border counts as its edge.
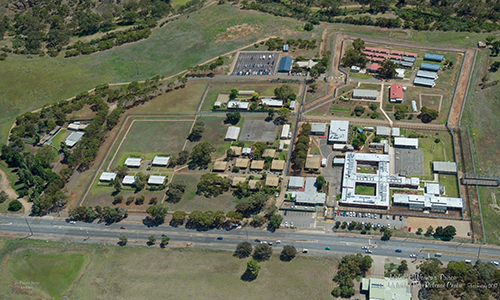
(242, 163)
(269, 153)
(220, 166)
(313, 162)
(253, 184)
(257, 165)
(237, 180)
(273, 181)
(278, 165)
(237, 150)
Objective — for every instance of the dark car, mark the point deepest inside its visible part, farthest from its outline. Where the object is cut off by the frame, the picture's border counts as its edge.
(220, 238)
(398, 250)
(123, 227)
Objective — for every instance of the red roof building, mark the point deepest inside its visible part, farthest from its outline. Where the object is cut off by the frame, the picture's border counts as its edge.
(386, 51)
(411, 54)
(392, 56)
(373, 68)
(380, 55)
(400, 53)
(371, 49)
(378, 59)
(396, 93)
(367, 53)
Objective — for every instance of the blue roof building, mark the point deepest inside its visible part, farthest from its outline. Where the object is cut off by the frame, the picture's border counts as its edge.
(285, 65)
(433, 57)
(430, 67)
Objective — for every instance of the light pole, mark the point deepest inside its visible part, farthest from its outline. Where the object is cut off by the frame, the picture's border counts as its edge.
(29, 227)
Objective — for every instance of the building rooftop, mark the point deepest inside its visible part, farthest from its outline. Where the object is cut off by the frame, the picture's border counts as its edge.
(427, 74)
(128, 180)
(313, 162)
(406, 142)
(156, 180)
(273, 181)
(161, 160)
(253, 184)
(272, 102)
(242, 163)
(383, 131)
(433, 189)
(296, 182)
(430, 67)
(246, 151)
(285, 131)
(257, 165)
(236, 150)
(424, 81)
(318, 128)
(73, 138)
(310, 194)
(396, 91)
(444, 166)
(107, 176)
(133, 162)
(220, 166)
(285, 64)
(373, 67)
(232, 133)
(361, 93)
(338, 131)
(238, 105)
(395, 131)
(278, 165)
(269, 153)
(433, 57)
(238, 179)
(387, 289)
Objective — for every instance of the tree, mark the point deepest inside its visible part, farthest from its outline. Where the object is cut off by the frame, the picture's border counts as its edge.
(164, 241)
(320, 182)
(201, 155)
(183, 157)
(3, 196)
(15, 205)
(157, 212)
(284, 113)
(234, 216)
(151, 239)
(175, 191)
(387, 69)
(242, 189)
(117, 185)
(271, 114)
(275, 221)
(403, 267)
(358, 44)
(427, 114)
(243, 249)
(257, 221)
(401, 112)
(123, 240)
(419, 231)
(308, 27)
(285, 93)
(262, 252)
(495, 66)
(212, 185)
(270, 210)
(359, 110)
(233, 94)
(387, 235)
(253, 268)
(255, 96)
(140, 181)
(430, 231)
(178, 217)
(118, 199)
(288, 253)
(233, 117)
(197, 131)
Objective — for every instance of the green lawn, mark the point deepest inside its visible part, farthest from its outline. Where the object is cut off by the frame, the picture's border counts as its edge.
(360, 75)
(57, 139)
(365, 189)
(450, 183)
(215, 131)
(491, 213)
(342, 109)
(366, 169)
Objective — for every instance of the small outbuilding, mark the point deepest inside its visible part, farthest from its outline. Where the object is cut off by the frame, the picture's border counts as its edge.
(156, 180)
(161, 161)
(133, 162)
(128, 180)
(318, 128)
(444, 167)
(107, 176)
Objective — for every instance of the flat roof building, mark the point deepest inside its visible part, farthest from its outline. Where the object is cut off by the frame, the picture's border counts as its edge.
(310, 195)
(257, 165)
(365, 94)
(133, 162)
(253, 184)
(378, 59)
(73, 138)
(411, 54)
(444, 167)
(238, 105)
(318, 128)
(160, 161)
(296, 182)
(313, 162)
(430, 67)
(232, 133)
(236, 150)
(396, 92)
(433, 57)
(242, 163)
(395, 131)
(285, 131)
(400, 73)
(272, 102)
(269, 153)
(383, 131)
(403, 142)
(395, 52)
(128, 180)
(307, 64)
(386, 289)
(156, 180)
(273, 181)
(338, 132)
(427, 74)
(424, 82)
(428, 202)
(407, 64)
(220, 166)
(246, 92)
(246, 151)
(107, 176)
(237, 180)
(285, 65)
(278, 165)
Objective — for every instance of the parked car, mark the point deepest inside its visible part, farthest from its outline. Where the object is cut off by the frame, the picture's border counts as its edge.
(72, 222)
(494, 262)
(368, 251)
(257, 240)
(413, 255)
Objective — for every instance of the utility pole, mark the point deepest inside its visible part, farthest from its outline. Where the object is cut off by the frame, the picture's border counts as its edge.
(479, 251)
(247, 234)
(29, 227)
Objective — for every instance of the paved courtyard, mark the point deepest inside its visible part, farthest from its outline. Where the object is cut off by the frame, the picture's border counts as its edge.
(409, 161)
(255, 130)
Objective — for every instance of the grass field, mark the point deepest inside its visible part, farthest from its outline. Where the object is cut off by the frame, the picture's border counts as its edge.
(365, 189)
(180, 101)
(360, 75)
(191, 201)
(491, 213)
(111, 272)
(450, 183)
(148, 138)
(57, 139)
(29, 83)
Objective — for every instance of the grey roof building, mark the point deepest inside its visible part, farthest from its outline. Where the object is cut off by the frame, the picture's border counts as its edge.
(444, 167)
(73, 138)
(310, 195)
(318, 128)
(339, 131)
(296, 182)
(364, 94)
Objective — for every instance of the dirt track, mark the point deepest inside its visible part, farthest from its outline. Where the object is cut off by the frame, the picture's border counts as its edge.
(462, 85)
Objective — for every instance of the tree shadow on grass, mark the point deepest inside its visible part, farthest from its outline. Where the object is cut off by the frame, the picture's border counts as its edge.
(247, 277)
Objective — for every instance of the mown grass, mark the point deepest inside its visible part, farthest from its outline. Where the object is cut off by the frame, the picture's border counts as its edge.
(491, 213)
(450, 183)
(57, 140)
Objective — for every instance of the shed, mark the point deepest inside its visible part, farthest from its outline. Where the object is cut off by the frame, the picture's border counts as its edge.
(430, 67)
(427, 74)
(285, 48)
(395, 52)
(433, 189)
(285, 65)
(396, 57)
(355, 69)
(281, 146)
(424, 82)
(156, 180)
(395, 131)
(236, 150)
(220, 166)
(481, 44)
(381, 55)
(237, 180)
(364, 94)
(246, 151)
(257, 165)
(232, 133)
(273, 181)
(381, 50)
(337, 161)
(378, 59)
(107, 176)
(73, 138)
(406, 142)
(318, 128)
(313, 162)
(161, 161)
(272, 102)
(246, 92)
(292, 104)
(278, 165)
(55, 130)
(128, 180)
(242, 163)
(433, 57)
(409, 59)
(269, 153)
(367, 53)
(296, 182)
(383, 131)
(133, 162)
(445, 167)
(407, 64)
(396, 93)
(238, 105)
(285, 131)
(414, 105)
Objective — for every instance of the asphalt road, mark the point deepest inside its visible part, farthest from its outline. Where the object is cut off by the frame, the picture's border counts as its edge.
(314, 241)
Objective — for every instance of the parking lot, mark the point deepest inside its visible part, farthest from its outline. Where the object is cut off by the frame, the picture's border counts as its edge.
(387, 221)
(256, 63)
(296, 219)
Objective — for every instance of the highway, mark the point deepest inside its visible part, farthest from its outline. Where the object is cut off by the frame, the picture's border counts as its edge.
(314, 241)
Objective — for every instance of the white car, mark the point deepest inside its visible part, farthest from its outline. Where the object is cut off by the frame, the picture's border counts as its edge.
(495, 263)
(72, 222)
(413, 255)
(278, 242)
(286, 224)
(389, 226)
(368, 251)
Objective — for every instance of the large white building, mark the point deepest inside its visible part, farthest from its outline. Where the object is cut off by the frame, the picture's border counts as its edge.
(339, 131)
(381, 179)
(232, 133)
(403, 142)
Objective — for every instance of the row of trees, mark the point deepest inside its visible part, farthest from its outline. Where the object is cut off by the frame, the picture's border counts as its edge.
(106, 214)
(350, 266)
(299, 153)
